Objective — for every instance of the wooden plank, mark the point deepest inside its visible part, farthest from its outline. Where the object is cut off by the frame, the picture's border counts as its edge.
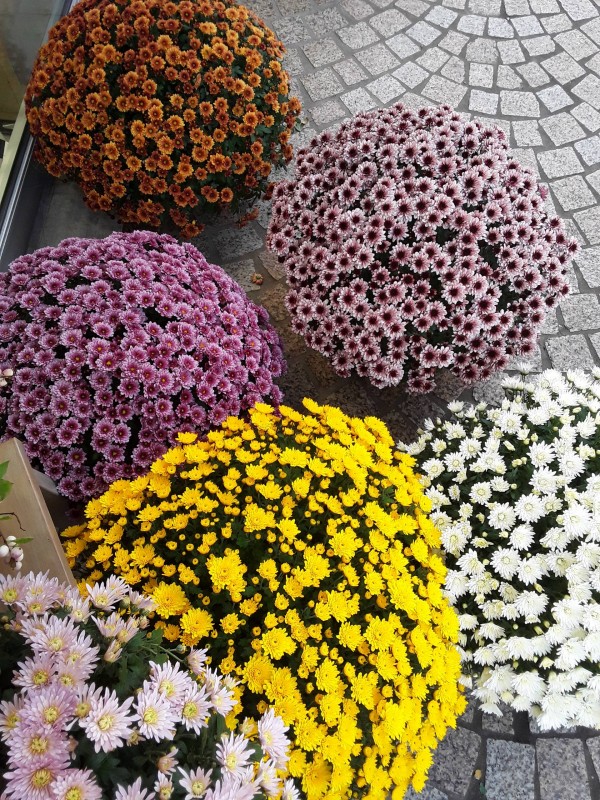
(44, 553)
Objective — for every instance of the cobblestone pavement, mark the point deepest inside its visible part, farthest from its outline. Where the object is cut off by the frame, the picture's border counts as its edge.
(533, 68)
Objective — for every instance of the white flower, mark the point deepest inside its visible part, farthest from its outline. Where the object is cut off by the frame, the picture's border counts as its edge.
(454, 430)
(521, 537)
(541, 454)
(555, 539)
(568, 612)
(530, 686)
(520, 647)
(467, 622)
(586, 427)
(557, 712)
(544, 480)
(268, 779)
(493, 609)
(508, 592)
(508, 421)
(480, 493)
(290, 791)
(591, 621)
(438, 497)
(595, 580)
(498, 680)
(455, 537)
(576, 520)
(456, 584)
(195, 782)
(490, 631)
(538, 416)
(502, 517)
(531, 605)
(580, 592)
(454, 462)
(552, 503)
(469, 448)
(481, 585)
(571, 465)
(456, 406)
(506, 562)
(470, 564)
(531, 570)
(529, 508)
(433, 468)
(591, 644)
(484, 656)
(498, 484)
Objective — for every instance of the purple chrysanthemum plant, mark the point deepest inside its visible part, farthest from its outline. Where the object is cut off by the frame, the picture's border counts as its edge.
(116, 345)
(414, 241)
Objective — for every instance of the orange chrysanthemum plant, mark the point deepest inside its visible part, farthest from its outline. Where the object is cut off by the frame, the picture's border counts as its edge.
(162, 112)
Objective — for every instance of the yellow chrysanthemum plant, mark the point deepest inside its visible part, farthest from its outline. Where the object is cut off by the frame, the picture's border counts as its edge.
(298, 548)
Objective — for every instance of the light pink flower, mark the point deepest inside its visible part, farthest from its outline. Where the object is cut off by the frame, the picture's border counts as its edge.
(108, 723)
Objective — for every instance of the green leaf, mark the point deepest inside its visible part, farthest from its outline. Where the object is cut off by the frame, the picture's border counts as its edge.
(3, 468)
(4, 488)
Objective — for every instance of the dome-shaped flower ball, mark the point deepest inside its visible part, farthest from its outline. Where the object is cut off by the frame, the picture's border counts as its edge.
(299, 548)
(515, 491)
(116, 344)
(162, 112)
(414, 241)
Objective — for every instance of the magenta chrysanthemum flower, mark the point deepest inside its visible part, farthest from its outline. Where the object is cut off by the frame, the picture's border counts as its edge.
(116, 345)
(400, 225)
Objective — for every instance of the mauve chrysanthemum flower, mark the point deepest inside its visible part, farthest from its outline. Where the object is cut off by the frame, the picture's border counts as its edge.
(109, 723)
(438, 203)
(76, 783)
(120, 357)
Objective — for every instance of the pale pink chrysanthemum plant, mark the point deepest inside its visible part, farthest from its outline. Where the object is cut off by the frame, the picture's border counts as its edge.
(94, 708)
(413, 241)
(116, 345)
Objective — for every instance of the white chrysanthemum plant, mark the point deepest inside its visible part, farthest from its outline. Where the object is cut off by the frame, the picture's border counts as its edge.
(516, 494)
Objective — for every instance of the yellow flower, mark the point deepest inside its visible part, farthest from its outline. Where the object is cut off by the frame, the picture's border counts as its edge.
(327, 676)
(197, 623)
(102, 553)
(227, 572)
(187, 438)
(230, 623)
(257, 672)
(276, 643)
(380, 634)
(294, 458)
(267, 569)
(350, 636)
(142, 555)
(257, 519)
(170, 600)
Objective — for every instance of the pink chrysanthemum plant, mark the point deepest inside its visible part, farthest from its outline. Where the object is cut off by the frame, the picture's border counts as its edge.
(95, 708)
(117, 345)
(414, 241)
